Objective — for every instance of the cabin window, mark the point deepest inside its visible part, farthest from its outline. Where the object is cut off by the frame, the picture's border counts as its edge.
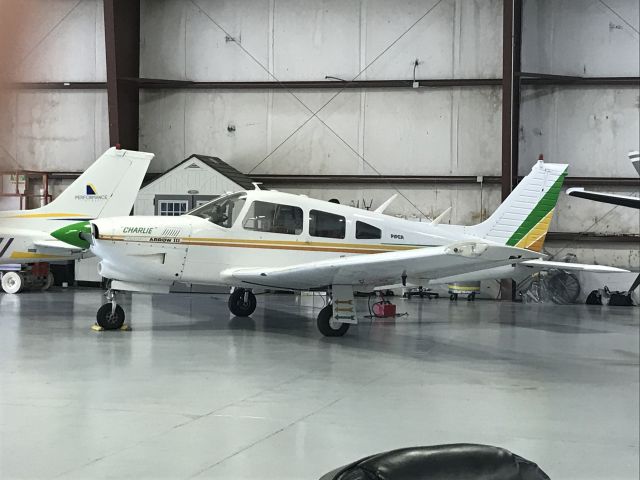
(328, 225)
(223, 211)
(274, 218)
(366, 231)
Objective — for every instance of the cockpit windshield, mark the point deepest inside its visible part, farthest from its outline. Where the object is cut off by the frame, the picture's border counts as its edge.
(222, 211)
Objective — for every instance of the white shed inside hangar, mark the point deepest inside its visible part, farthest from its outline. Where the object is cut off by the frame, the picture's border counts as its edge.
(192, 182)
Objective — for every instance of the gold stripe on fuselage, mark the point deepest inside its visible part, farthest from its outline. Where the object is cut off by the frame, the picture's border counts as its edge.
(30, 255)
(272, 244)
(46, 215)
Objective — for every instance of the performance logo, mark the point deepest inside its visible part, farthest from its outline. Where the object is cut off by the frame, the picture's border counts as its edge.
(91, 193)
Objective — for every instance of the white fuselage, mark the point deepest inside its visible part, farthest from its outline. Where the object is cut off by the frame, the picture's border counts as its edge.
(160, 250)
(21, 230)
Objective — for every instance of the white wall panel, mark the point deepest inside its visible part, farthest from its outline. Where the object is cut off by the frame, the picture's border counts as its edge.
(52, 130)
(210, 55)
(163, 39)
(314, 148)
(457, 39)
(310, 39)
(162, 127)
(59, 131)
(315, 38)
(63, 42)
(592, 129)
(583, 38)
(433, 131)
(227, 124)
(399, 132)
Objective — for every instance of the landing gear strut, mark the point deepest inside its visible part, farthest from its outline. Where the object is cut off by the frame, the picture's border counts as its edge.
(110, 316)
(242, 302)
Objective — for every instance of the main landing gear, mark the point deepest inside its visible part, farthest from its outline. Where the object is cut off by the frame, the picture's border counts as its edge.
(110, 316)
(340, 312)
(242, 302)
(328, 325)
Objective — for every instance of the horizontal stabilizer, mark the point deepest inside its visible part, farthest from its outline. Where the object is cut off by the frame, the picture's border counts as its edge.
(57, 246)
(570, 267)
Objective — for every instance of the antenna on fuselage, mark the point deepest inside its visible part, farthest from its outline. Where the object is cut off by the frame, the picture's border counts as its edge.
(439, 218)
(256, 185)
(384, 206)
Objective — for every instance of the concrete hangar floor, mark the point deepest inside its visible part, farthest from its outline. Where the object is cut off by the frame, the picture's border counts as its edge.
(194, 393)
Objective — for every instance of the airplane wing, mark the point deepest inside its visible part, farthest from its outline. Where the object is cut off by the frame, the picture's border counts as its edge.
(56, 246)
(575, 267)
(623, 200)
(381, 268)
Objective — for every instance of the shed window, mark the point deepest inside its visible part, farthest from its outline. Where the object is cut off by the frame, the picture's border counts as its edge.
(274, 218)
(328, 225)
(366, 231)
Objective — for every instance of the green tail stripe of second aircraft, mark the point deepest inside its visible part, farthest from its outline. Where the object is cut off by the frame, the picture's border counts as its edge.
(544, 206)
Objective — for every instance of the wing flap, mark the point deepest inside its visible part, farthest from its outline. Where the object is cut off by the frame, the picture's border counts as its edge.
(375, 269)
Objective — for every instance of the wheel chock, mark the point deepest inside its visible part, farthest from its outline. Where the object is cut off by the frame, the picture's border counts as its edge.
(97, 328)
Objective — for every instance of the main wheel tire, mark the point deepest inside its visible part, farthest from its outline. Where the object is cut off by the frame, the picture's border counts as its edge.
(48, 282)
(12, 282)
(109, 319)
(328, 326)
(239, 306)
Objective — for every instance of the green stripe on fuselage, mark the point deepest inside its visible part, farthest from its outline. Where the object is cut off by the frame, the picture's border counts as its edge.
(71, 234)
(544, 206)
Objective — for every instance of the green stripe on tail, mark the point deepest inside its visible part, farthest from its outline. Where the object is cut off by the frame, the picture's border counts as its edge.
(541, 210)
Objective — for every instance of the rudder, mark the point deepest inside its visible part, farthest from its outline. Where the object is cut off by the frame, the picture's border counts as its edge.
(523, 219)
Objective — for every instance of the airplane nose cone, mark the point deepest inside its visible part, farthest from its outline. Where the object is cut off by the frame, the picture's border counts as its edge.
(76, 234)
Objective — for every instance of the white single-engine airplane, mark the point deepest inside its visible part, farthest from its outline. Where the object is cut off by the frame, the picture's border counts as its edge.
(55, 232)
(267, 239)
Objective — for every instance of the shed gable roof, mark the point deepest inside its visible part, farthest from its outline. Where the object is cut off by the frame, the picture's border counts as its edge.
(216, 164)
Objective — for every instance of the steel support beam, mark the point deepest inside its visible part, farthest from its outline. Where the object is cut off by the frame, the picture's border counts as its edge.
(528, 79)
(122, 42)
(511, 49)
(58, 85)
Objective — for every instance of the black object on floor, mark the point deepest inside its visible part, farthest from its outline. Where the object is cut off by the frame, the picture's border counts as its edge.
(594, 298)
(441, 462)
(621, 299)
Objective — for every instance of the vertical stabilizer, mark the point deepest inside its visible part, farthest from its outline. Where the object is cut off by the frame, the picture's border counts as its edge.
(523, 219)
(108, 188)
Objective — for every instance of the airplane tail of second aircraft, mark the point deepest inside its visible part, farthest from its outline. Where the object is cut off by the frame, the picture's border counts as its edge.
(107, 188)
(523, 219)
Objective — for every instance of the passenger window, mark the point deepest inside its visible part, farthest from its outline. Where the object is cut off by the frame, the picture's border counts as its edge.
(328, 225)
(274, 218)
(366, 231)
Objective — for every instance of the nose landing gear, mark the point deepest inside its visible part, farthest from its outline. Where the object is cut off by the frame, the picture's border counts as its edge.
(110, 316)
(242, 302)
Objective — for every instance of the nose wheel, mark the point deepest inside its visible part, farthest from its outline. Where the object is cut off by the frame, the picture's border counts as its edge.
(110, 316)
(242, 302)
